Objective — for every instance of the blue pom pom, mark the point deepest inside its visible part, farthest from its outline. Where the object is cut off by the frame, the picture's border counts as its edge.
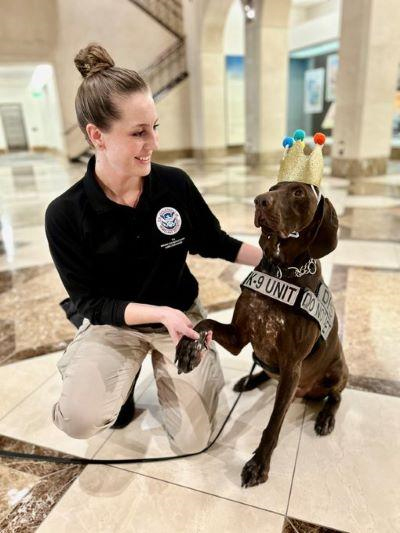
(288, 142)
(299, 135)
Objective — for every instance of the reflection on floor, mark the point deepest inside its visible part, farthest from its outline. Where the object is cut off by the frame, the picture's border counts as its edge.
(348, 481)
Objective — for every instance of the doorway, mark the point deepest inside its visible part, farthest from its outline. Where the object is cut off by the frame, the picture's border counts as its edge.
(14, 127)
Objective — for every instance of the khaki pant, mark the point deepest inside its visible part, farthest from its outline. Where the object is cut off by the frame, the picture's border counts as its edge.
(98, 368)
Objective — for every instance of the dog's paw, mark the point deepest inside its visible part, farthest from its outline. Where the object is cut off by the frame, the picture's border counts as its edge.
(325, 423)
(254, 472)
(189, 352)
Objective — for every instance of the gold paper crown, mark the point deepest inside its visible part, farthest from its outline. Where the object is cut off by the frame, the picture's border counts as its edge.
(296, 165)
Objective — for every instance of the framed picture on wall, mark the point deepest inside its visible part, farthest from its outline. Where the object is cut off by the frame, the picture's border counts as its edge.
(332, 67)
(314, 90)
(396, 116)
(235, 113)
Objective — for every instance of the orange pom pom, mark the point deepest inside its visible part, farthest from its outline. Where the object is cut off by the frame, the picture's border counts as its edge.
(319, 138)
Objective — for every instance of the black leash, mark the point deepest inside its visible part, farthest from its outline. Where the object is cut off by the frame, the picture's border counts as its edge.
(82, 461)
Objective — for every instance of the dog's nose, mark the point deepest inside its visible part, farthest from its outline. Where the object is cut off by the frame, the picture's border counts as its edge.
(263, 200)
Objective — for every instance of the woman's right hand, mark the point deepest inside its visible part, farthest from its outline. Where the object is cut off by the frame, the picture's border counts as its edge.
(177, 324)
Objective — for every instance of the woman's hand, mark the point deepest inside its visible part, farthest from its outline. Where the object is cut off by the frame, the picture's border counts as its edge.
(177, 324)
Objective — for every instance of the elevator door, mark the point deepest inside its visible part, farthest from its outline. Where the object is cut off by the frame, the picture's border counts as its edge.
(14, 127)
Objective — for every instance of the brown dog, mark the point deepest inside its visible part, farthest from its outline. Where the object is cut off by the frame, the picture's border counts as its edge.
(298, 227)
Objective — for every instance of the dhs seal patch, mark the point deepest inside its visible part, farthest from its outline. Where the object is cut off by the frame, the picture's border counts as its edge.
(168, 220)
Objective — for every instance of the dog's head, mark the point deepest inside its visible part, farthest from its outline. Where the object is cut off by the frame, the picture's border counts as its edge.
(293, 207)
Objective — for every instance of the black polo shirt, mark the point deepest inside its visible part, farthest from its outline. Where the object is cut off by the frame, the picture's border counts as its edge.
(109, 255)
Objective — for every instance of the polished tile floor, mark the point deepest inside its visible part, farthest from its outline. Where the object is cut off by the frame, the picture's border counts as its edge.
(348, 481)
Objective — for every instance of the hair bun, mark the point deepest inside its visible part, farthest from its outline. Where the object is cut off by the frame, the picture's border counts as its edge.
(92, 59)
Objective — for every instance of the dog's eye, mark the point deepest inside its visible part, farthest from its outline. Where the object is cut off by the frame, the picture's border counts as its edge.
(298, 193)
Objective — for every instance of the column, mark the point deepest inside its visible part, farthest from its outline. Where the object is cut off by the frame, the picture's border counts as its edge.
(266, 79)
(368, 66)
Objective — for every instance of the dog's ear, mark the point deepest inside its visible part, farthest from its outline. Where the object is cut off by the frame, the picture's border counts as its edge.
(325, 238)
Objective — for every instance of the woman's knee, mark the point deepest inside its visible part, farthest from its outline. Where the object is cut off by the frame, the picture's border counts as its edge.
(78, 423)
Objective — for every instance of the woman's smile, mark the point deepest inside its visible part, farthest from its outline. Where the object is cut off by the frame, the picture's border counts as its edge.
(143, 160)
(143, 157)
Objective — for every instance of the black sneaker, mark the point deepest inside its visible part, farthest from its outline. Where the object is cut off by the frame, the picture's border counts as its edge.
(127, 411)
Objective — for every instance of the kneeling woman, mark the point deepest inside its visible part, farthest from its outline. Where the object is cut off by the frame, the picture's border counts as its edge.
(119, 238)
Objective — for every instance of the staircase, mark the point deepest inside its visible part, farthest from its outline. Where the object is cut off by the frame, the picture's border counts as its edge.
(167, 71)
(168, 13)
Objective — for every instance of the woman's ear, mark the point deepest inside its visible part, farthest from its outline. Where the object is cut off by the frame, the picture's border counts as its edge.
(94, 135)
(325, 239)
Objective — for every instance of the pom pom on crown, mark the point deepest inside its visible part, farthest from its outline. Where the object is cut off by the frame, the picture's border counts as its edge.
(299, 135)
(288, 142)
(319, 138)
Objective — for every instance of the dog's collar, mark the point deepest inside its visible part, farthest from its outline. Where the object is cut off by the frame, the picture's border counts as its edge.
(310, 267)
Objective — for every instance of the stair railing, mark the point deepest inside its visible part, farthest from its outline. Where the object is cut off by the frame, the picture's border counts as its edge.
(167, 71)
(168, 13)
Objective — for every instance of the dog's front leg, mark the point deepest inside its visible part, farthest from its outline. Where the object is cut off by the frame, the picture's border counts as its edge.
(189, 352)
(255, 471)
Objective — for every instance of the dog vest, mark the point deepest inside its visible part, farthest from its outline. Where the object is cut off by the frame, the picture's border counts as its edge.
(318, 306)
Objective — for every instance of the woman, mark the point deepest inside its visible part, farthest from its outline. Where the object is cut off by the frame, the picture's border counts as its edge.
(119, 238)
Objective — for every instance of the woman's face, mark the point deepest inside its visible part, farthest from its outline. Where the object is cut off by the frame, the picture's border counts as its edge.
(128, 145)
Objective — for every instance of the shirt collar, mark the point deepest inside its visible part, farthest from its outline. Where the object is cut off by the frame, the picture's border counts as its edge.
(95, 193)
(152, 188)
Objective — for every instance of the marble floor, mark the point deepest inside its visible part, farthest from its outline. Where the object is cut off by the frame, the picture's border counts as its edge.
(348, 481)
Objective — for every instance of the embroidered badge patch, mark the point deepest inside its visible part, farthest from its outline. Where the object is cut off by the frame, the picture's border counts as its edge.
(168, 220)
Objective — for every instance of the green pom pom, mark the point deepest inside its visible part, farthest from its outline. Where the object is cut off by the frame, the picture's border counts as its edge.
(299, 135)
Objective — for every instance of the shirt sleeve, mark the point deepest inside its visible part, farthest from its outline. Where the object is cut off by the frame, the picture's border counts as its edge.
(208, 239)
(76, 268)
